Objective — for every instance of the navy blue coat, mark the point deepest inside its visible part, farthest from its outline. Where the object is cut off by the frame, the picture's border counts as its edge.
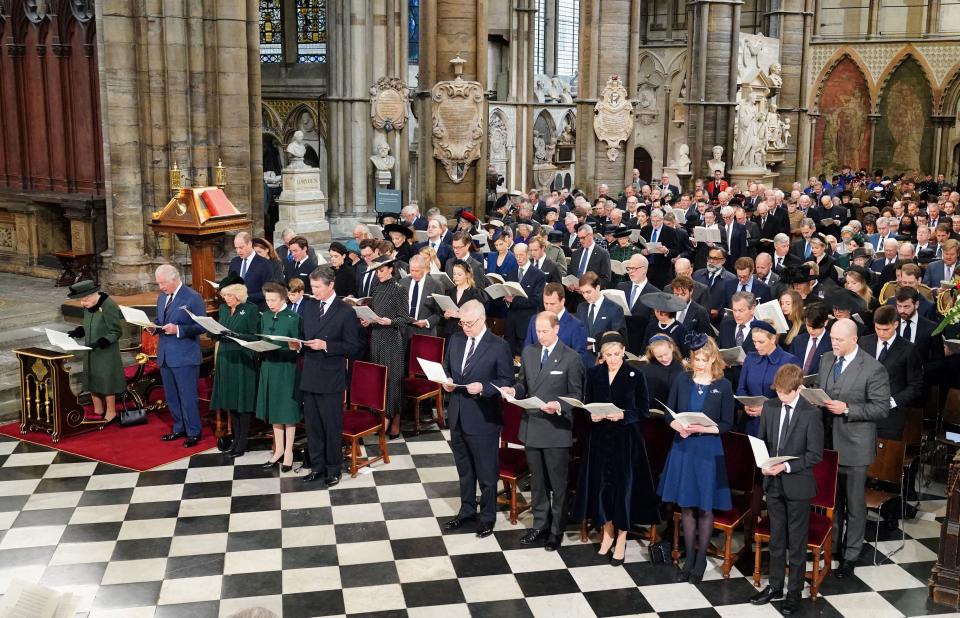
(444, 252)
(609, 317)
(491, 365)
(259, 271)
(799, 349)
(759, 289)
(182, 349)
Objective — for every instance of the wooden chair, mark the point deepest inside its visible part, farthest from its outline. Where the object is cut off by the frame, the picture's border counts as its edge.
(657, 438)
(513, 462)
(887, 468)
(366, 412)
(416, 387)
(820, 530)
(741, 471)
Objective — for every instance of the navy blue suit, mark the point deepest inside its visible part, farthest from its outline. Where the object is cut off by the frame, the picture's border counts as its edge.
(572, 332)
(731, 286)
(609, 317)
(799, 349)
(522, 309)
(178, 357)
(259, 271)
(475, 420)
(444, 251)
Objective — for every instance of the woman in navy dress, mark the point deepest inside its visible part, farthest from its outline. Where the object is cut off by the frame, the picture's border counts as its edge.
(616, 490)
(759, 368)
(695, 476)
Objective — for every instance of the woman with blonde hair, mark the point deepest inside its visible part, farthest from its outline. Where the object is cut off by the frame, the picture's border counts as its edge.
(235, 377)
(792, 306)
(463, 291)
(695, 476)
(857, 280)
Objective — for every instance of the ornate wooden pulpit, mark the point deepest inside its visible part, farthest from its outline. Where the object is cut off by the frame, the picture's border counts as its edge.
(944, 580)
(47, 402)
(200, 216)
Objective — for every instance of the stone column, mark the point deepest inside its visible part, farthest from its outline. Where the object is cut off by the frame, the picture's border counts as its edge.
(366, 40)
(449, 28)
(177, 84)
(793, 25)
(713, 52)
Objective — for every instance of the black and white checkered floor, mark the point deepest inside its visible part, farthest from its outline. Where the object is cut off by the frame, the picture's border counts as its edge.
(207, 537)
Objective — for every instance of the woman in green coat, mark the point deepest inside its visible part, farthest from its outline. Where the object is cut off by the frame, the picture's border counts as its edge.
(278, 401)
(101, 330)
(235, 378)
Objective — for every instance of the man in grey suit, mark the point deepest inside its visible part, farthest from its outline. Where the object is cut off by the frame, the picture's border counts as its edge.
(548, 371)
(859, 392)
(419, 289)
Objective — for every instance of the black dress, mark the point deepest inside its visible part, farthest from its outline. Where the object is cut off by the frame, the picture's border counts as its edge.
(450, 327)
(345, 281)
(387, 342)
(615, 480)
(659, 378)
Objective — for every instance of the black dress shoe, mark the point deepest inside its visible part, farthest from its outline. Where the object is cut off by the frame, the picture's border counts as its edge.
(791, 604)
(766, 595)
(313, 476)
(553, 543)
(484, 529)
(532, 535)
(682, 576)
(844, 570)
(191, 441)
(332, 480)
(174, 435)
(456, 523)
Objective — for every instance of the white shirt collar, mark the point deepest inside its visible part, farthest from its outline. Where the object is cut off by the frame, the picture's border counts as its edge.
(551, 348)
(597, 304)
(560, 315)
(889, 342)
(792, 403)
(177, 291)
(848, 358)
(476, 340)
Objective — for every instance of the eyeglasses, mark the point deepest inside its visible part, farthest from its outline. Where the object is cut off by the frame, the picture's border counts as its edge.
(630, 269)
(469, 324)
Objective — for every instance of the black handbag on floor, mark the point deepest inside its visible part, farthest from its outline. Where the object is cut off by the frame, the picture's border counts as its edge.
(131, 418)
(660, 553)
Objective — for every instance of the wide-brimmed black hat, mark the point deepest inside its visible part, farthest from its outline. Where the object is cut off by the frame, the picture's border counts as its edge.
(622, 232)
(610, 229)
(396, 227)
(797, 274)
(845, 300)
(83, 288)
(231, 279)
(383, 260)
(662, 301)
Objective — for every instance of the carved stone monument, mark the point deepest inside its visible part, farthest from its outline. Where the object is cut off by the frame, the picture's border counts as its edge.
(613, 117)
(683, 159)
(457, 112)
(302, 204)
(717, 163)
(384, 162)
(388, 104)
(750, 141)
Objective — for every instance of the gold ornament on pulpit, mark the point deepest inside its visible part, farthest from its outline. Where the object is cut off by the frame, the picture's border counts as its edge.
(220, 174)
(176, 179)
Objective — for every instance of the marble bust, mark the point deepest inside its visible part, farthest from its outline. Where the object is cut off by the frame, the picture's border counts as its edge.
(716, 163)
(297, 149)
(383, 161)
(683, 159)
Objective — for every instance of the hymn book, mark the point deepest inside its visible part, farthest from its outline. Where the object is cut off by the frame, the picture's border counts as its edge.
(816, 396)
(762, 456)
(530, 403)
(605, 410)
(136, 317)
(618, 298)
(63, 341)
(733, 356)
(689, 418)
(510, 288)
(209, 324)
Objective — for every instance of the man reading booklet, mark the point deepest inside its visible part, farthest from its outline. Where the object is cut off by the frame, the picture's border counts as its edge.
(790, 426)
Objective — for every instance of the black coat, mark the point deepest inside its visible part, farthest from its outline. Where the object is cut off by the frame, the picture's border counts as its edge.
(640, 315)
(804, 440)
(905, 370)
(301, 272)
(324, 371)
(661, 266)
(599, 263)
(345, 280)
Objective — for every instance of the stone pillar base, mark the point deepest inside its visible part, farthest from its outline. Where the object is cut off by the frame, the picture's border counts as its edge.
(744, 176)
(127, 276)
(302, 205)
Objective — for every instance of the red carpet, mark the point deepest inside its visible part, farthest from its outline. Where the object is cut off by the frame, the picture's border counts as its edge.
(136, 448)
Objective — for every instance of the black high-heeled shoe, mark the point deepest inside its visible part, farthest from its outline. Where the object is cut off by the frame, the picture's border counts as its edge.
(269, 464)
(617, 561)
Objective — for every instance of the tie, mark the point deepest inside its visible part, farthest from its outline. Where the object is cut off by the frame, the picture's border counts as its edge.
(806, 250)
(713, 280)
(763, 222)
(543, 359)
(947, 272)
(591, 315)
(739, 337)
(413, 299)
(808, 362)
(838, 369)
(939, 251)
(466, 359)
(522, 272)
(655, 235)
(583, 262)
(779, 263)
(633, 294)
(783, 428)
(243, 269)
(323, 305)
(743, 287)
(906, 334)
(366, 283)
(883, 352)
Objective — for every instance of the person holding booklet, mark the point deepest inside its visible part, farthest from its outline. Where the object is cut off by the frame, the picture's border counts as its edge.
(615, 490)
(235, 378)
(789, 427)
(664, 365)
(695, 475)
(759, 369)
(548, 371)
(464, 291)
(278, 401)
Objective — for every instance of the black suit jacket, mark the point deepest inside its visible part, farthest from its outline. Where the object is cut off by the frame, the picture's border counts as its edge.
(609, 317)
(737, 247)
(929, 346)
(759, 290)
(599, 263)
(361, 269)
(259, 271)
(905, 370)
(492, 365)
(661, 266)
(522, 309)
(728, 336)
(798, 347)
(788, 260)
(551, 271)
(325, 371)
(639, 317)
(697, 319)
(804, 440)
(768, 229)
(302, 272)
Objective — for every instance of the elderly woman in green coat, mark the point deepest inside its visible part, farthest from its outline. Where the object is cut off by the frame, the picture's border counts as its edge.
(101, 330)
(235, 378)
(278, 401)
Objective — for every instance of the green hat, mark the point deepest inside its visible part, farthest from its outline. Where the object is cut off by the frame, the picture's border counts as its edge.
(83, 288)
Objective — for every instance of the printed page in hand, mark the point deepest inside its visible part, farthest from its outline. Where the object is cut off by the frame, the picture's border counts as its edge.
(256, 346)
(762, 456)
(63, 341)
(366, 313)
(530, 403)
(689, 418)
(209, 324)
(816, 396)
(751, 402)
(136, 317)
(595, 409)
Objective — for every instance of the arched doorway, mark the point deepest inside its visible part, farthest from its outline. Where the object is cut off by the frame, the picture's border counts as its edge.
(644, 163)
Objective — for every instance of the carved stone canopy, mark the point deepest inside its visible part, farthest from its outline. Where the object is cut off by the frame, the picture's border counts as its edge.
(389, 99)
(457, 111)
(613, 119)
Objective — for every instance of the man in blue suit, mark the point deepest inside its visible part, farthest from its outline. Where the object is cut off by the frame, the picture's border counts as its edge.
(178, 353)
(478, 360)
(253, 269)
(520, 309)
(597, 313)
(945, 269)
(572, 331)
(809, 346)
(746, 281)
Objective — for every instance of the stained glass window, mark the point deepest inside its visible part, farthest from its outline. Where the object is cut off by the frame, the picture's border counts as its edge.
(271, 31)
(568, 36)
(311, 31)
(538, 58)
(413, 19)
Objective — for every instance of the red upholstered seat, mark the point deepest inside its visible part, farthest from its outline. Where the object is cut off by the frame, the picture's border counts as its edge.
(415, 387)
(820, 527)
(149, 368)
(741, 506)
(359, 421)
(418, 387)
(365, 414)
(513, 462)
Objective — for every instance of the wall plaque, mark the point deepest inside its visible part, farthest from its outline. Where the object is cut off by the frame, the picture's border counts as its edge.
(613, 119)
(388, 104)
(458, 133)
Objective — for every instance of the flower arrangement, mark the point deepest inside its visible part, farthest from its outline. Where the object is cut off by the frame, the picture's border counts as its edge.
(952, 316)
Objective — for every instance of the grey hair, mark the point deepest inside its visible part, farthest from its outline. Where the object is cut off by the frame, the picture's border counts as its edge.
(324, 273)
(587, 228)
(727, 211)
(746, 296)
(474, 308)
(168, 272)
(807, 222)
(781, 238)
(656, 212)
(410, 209)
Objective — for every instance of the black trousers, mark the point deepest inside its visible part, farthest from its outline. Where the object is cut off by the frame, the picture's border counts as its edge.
(241, 429)
(548, 475)
(323, 418)
(477, 459)
(789, 521)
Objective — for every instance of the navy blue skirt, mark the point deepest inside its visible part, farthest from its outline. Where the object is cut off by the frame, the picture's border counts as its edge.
(695, 474)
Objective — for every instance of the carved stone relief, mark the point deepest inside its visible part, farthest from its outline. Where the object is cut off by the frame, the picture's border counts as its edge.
(756, 55)
(389, 100)
(613, 116)
(457, 112)
(555, 89)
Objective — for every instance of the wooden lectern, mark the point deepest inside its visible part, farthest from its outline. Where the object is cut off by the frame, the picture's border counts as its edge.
(47, 402)
(944, 580)
(200, 216)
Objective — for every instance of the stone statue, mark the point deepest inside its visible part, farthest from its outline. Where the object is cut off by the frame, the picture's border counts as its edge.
(297, 149)
(539, 147)
(568, 137)
(777, 130)
(384, 163)
(750, 138)
(683, 159)
(716, 163)
(498, 137)
(776, 77)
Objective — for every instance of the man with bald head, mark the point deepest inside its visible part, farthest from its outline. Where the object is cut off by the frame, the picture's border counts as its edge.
(701, 293)
(859, 392)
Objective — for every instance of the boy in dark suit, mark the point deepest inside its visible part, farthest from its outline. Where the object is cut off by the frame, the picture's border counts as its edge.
(790, 427)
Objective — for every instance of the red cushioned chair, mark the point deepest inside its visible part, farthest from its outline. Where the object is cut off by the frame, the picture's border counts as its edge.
(366, 412)
(513, 462)
(741, 471)
(416, 387)
(657, 438)
(820, 532)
